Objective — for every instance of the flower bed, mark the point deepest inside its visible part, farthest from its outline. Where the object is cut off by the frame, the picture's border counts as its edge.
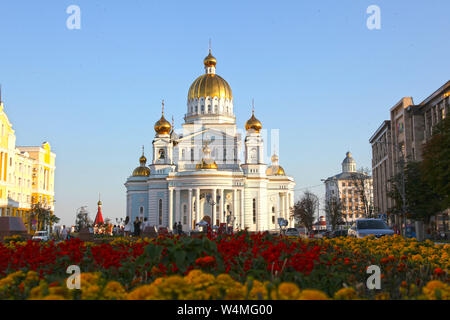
(242, 266)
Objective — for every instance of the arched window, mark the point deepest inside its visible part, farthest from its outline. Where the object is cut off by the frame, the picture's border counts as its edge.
(160, 215)
(203, 109)
(162, 154)
(254, 211)
(209, 109)
(196, 109)
(183, 154)
(192, 154)
(184, 214)
(141, 211)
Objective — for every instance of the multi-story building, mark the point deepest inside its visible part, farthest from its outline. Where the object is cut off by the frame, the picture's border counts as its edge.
(26, 174)
(381, 167)
(352, 189)
(401, 139)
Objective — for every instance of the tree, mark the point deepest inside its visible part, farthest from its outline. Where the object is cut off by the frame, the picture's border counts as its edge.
(304, 210)
(421, 201)
(436, 162)
(43, 215)
(333, 210)
(361, 180)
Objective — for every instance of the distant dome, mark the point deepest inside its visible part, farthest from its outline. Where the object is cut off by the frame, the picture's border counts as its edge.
(142, 170)
(275, 169)
(162, 126)
(349, 164)
(253, 124)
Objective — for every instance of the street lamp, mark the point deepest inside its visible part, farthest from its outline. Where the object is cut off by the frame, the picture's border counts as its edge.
(212, 203)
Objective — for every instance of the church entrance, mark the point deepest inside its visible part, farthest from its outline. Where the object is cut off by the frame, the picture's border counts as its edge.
(207, 219)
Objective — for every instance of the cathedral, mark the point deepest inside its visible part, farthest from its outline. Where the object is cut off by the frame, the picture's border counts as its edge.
(196, 175)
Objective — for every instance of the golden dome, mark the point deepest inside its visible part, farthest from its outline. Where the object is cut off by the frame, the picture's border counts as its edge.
(205, 164)
(162, 126)
(141, 172)
(210, 84)
(275, 170)
(275, 158)
(99, 203)
(210, 61)
(253, 124)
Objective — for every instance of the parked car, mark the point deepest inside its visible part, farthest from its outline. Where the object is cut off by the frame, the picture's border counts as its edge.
(327, 234)
(339, 233)
(367, 227)
(40, 236)
(292, 232)
(317, 234)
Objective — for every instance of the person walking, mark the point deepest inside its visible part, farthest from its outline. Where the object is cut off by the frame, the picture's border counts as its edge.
(145, 225)
(139, 225)
(175, 228)
(64, 233)
(127, 227)
(136, 227)
(180, 228)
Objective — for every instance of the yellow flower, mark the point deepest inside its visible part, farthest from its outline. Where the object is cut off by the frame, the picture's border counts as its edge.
(54, 297)
(382, 296)
(312, 295)
(31, 277)
(114, 291)
(237, 292)
(91, 292)
(258, 291)
(286, 291)
(346, 294)
(146, 292)
(437, 290)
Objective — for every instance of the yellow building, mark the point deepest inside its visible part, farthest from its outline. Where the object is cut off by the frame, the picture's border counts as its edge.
(27, 174)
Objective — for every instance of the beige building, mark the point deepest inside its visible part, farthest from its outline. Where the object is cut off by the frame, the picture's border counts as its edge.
(353, 189)
(27, 174)
(381, 167)
(402, 138)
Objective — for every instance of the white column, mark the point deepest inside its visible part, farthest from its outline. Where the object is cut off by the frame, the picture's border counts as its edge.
(286, 206)
(291, 223)
(197, 205)
(242, 214)
(213, 208)
(190, 210)
(170, 209)
(234, 204)
(177, 206)
(280, 212)
(221, 209)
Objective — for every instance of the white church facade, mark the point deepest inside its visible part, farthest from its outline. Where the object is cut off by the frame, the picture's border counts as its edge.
(197, 174)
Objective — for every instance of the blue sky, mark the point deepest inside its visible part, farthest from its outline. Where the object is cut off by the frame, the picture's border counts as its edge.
(316, 72)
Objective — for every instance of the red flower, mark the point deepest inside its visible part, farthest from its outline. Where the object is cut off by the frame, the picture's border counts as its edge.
(205, 261)
(438, 272)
